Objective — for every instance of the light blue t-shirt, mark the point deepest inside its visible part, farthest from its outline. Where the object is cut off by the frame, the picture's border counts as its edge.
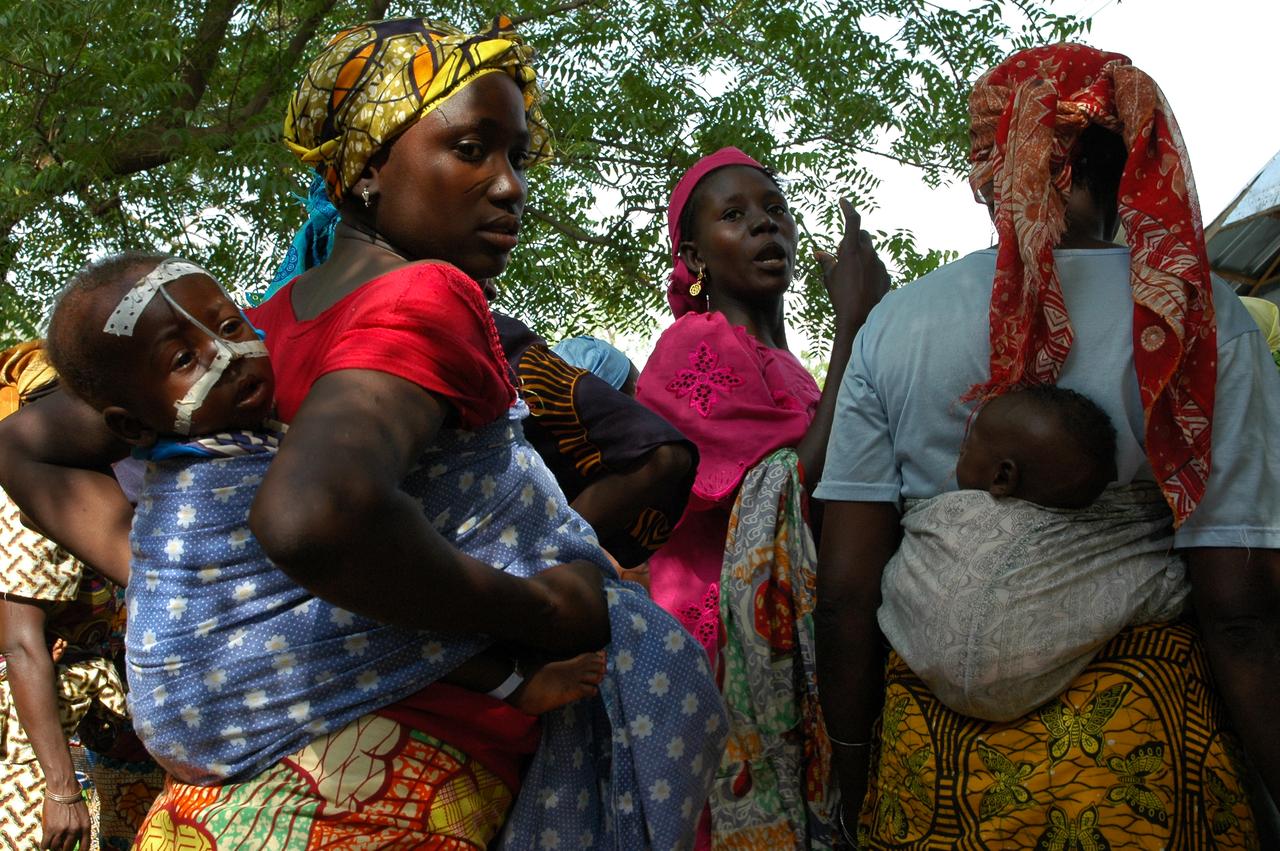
(899, 426)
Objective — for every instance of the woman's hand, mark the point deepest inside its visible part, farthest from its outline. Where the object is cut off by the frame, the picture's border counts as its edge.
(65, 826)
(855, 277)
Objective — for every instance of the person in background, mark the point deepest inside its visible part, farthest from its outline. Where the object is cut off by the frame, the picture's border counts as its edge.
(61, 676)
(602, 360)
(1267, 315)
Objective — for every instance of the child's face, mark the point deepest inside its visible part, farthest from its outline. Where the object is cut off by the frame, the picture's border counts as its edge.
(171, 354)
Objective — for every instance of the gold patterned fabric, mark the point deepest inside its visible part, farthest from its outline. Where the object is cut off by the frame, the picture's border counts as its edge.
(371, 82)
(1136, 753)
(33, 566)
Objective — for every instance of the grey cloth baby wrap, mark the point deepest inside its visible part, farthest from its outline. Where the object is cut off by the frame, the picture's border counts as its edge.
(997, 604)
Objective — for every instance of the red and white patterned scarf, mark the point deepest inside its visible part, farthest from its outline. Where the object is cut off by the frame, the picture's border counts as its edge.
(1026, 115)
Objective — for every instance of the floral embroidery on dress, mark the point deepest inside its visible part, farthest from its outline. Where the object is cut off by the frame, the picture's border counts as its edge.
(703, 619)
(701, 382)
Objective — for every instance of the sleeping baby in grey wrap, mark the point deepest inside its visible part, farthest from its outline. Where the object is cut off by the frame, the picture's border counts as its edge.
(1002, 592)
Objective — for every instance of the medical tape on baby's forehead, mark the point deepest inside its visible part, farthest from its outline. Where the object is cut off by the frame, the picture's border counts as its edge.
(123, 319)
(228, 350)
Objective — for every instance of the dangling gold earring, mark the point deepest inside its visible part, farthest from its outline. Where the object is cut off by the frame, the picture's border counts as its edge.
(696, 287)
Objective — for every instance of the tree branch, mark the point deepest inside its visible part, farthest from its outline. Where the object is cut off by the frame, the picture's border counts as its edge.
(289, 58)
(551, 12)
(203, 56)
(378, 9)
(823, 137)
(567, 228)
(155, 144)
(30, 69)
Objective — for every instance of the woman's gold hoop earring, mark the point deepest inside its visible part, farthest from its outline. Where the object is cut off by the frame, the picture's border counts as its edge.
(364, 193)
(696, 287)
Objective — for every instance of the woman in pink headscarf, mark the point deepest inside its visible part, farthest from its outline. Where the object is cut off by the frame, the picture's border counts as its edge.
(738, 568)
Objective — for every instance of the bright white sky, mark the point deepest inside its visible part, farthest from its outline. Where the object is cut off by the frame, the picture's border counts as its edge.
(1216, 63)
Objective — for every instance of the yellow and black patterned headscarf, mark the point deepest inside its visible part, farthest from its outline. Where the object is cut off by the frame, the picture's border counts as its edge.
(371, 83)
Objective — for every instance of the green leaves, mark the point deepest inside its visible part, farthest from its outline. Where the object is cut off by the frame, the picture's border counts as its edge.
(156, 126)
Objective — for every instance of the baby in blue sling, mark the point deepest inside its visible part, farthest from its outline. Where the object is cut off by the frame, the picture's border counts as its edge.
(233, 665)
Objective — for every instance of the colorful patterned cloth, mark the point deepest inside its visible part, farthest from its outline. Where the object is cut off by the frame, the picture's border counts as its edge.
(1135, 754)
(1026, 115)
(123, 792)
(774, 786)
(374, 80)
(586, 431)
(236, 667)
(375, 783)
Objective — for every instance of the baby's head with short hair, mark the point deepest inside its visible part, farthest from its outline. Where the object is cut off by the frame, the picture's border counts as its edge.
(93, 365)
(142, 366)
(1044, 444)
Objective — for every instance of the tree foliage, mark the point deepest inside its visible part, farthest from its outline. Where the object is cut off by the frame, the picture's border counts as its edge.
(147, 124)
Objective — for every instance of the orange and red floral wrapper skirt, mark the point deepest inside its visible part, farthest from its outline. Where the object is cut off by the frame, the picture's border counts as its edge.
(376, 783)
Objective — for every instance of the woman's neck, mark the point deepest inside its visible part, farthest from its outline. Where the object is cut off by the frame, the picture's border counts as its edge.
(1084, 239)
(1088, 224)
(764, 321)
(358, 256)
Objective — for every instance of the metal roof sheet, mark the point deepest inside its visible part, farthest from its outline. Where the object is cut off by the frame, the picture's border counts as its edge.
(1244, 240)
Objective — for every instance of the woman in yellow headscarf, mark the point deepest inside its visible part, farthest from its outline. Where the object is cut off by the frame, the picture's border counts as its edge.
(423, 134)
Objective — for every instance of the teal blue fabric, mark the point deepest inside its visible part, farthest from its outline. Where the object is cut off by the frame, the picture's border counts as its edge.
(311, 244)
(596, 357)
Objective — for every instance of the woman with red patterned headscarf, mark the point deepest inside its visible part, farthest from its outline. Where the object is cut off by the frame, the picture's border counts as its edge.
(1068, 144)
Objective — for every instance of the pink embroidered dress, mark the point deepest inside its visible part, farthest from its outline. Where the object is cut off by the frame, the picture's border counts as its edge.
(737, 400)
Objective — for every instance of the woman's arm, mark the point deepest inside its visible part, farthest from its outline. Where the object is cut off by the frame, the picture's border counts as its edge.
(330, 513)
(32, 682)
(612, 503)
(54, 463)
(856, 280)
(1236, 593)
(859, 540)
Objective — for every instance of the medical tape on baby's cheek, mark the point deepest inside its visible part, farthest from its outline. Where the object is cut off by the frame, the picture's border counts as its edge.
(135, 301)
(228, 350)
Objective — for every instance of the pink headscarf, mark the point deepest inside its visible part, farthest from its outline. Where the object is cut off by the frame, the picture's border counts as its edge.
(678, 291)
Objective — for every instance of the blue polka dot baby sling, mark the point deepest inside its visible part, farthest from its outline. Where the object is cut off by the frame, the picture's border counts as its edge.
(628, 769)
